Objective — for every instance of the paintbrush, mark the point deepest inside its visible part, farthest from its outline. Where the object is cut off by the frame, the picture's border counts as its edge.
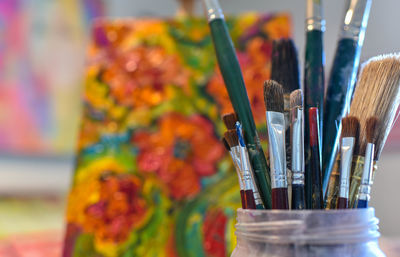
(342, 79)
(315, 161)
(350, 132)
(377, 94)
(285, 71)
(273, 97)
(245, 155)
(232, 75)
(368, 151)
(229, 120)
(244, 167)
(314, 79)
(230, 147)
(297, 147)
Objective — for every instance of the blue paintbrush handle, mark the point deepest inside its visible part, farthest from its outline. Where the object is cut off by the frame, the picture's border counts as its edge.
(362, 204)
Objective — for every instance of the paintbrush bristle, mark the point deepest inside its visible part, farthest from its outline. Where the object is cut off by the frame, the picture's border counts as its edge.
(377, 94)
(371, 128)
(296, 98)
(232, 138)
(350, 127)
(273, 96)
(229, 120)
(225, 143)
(285, 65)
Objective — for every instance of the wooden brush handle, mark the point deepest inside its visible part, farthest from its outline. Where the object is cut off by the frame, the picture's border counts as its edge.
(315, 162)
(280, 198)
(298, 197)
(250, 202)
(243, 199)
(343, 203)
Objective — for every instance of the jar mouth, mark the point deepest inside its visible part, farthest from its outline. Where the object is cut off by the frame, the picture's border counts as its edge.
(307, 227)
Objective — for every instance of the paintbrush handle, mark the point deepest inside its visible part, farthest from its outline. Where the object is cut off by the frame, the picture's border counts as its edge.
(243, 199)
(313, 93)
(298, 197)
(250, 202)
(280, 198)
(343, 203)
(231, 72)
(315, 163)
(362, 204)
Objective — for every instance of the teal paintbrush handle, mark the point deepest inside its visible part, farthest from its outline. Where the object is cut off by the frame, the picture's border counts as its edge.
(232, 74)
(314, 81)
(340, 90)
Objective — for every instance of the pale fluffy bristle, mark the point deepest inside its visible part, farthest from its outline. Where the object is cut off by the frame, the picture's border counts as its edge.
(296, 98)
(232, 138)
(229, 120)
(377, 94)
(273, 96)
(350, 126)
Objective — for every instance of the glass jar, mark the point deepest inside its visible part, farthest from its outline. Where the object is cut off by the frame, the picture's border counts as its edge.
(351, 232)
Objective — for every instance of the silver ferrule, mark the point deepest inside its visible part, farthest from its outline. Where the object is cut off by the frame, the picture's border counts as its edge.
(234, 152)
(297, 145)
(246, 168)
(315, 16)
(366, 179)
(277, 151)
(213, 10)
(346, 157)
(356, 20)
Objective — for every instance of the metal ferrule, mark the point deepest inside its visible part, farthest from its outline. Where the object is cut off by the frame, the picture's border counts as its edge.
(213, 10)
(356, 19)
(297, 145)
(277, 151)
(246, 168)
(315, 16)
(234, 152)
(366, 179)
(346, 158)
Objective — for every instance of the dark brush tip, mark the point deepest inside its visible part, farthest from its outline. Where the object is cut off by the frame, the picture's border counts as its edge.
(232, 138)
(371, 129)
(229, 120)
(285, 65)
(350, 127)
(296, 98)
(225, 143)
(273, 96)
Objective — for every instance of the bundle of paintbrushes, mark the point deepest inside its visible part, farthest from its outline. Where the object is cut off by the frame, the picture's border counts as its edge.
(322, 149)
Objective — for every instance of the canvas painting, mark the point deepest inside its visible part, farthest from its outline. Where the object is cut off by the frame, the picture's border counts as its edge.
(42, 53)
(152, 177)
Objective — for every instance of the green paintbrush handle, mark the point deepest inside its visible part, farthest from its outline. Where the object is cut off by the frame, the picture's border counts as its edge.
(314, 81)
(231, 72)
(338, 97)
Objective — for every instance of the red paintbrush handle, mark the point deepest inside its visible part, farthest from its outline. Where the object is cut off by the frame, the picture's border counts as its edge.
(243, 199)
(250, 202)
(279, 198)
(343, 203)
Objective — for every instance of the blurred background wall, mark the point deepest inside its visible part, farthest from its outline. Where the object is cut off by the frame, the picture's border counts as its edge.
(46, 174)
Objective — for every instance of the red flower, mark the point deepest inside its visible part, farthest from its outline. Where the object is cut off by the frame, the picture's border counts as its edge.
(183, 150)
(214, 233)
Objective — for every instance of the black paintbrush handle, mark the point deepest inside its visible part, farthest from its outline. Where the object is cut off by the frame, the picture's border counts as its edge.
(343, 203)
(298, 197)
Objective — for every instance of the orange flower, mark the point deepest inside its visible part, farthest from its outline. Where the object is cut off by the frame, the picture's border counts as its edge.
(183, 150)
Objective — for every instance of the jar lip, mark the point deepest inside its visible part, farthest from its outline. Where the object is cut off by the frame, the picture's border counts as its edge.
(307, 226)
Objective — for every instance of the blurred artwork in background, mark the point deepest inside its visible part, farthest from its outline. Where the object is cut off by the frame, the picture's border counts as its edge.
(152, 178)
(42, 53)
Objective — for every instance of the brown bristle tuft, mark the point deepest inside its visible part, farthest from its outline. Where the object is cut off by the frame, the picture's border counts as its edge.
(377, 94)
(371, 128)
(350, 127)
(229, 120)
(225, 143)
(273, 96)
(296, 98)
(232, 138)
